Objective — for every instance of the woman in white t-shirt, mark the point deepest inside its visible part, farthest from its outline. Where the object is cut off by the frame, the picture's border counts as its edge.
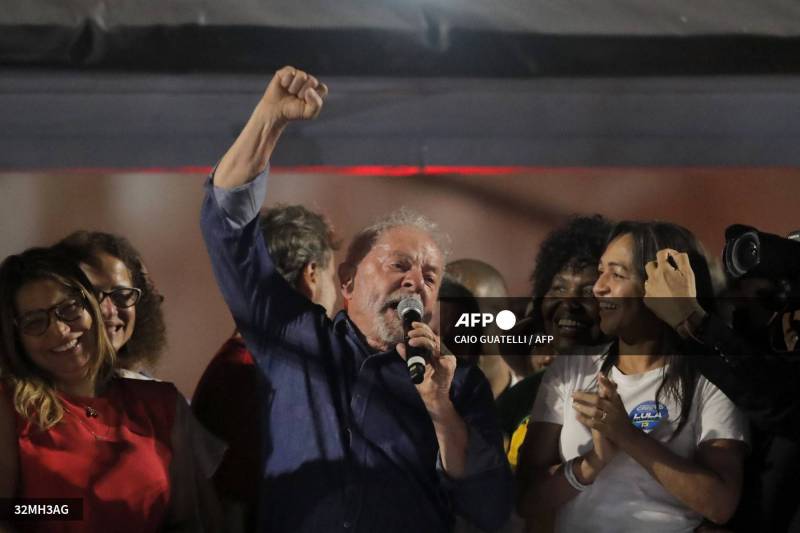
(634, 440)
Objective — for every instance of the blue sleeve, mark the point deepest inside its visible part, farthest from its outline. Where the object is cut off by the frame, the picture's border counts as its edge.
(241, 204)
(484, 496)
(268, 311)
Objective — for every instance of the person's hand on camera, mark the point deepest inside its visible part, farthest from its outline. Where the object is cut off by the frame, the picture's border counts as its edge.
(670, 291)
(789, 324)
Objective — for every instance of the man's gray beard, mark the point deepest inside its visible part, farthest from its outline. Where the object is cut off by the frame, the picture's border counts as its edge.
(389, 333)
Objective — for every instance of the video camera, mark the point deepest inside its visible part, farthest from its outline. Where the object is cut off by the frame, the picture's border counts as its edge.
(750, 253)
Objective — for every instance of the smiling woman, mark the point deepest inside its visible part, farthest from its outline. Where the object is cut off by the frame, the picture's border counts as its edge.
(129, 302)
(634, 439)
(64, 351)
(46, 311)
(64, 417)
(563, 318)
(566, 269)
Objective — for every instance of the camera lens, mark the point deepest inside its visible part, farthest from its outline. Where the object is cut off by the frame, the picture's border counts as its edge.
(749, 252)
(744, 254)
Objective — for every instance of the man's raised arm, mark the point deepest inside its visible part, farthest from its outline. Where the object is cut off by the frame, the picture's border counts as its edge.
(291, 95)
(245, 273)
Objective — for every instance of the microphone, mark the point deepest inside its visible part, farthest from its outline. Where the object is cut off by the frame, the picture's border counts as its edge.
(410, 310)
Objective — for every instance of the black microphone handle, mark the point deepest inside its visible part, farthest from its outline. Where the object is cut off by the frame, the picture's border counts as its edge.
(416, 357)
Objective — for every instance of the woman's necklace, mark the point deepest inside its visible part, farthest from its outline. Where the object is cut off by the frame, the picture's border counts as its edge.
(91, 412)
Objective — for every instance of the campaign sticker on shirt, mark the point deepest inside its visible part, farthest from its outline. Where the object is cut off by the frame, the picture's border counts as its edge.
(648, 415)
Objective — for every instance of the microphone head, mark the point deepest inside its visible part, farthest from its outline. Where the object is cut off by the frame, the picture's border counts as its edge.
(410, 304)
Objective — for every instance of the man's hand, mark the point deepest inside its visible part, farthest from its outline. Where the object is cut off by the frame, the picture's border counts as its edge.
(451, 430)
(291, 95)
(439, 372)
(670, 291)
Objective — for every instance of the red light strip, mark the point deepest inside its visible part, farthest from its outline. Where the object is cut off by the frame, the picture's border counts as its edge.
(389, 170)
(355, 170)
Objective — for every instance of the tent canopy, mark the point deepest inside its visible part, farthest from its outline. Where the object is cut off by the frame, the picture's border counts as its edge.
(470, 38)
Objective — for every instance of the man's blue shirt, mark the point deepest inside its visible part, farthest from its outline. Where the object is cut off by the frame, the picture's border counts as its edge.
(349, 445)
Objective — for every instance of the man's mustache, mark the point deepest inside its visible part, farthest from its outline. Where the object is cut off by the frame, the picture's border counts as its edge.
(392, 301)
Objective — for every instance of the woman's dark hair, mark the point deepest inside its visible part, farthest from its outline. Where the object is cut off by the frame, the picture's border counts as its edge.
(149, 336)
(576, 245)
(681, 373)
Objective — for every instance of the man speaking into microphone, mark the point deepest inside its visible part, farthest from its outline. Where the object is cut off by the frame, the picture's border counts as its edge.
(351, 443)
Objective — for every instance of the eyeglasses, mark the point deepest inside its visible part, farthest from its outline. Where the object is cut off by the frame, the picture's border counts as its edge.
(121, 297)
(36, 323)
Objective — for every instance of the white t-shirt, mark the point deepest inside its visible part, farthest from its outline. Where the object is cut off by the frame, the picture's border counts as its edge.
(625, 497)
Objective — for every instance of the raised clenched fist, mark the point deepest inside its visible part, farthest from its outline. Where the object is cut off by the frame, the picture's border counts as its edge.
(294, 95)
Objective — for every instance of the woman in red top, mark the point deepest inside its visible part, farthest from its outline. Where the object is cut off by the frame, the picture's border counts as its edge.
(69, 428)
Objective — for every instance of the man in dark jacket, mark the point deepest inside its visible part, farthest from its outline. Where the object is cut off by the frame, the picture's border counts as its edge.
(353, 444)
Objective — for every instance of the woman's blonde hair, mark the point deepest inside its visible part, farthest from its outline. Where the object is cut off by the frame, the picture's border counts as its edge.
(35, 395)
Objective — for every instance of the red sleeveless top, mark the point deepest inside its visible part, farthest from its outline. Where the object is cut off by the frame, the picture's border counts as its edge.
(113, 451)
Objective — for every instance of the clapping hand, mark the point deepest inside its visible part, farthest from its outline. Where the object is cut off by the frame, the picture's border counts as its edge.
(603, 413)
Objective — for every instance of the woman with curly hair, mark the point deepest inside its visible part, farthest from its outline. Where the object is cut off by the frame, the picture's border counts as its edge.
(129, 301)
(69, 428)
(562, 305)
(566, 269)
(634, 439)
